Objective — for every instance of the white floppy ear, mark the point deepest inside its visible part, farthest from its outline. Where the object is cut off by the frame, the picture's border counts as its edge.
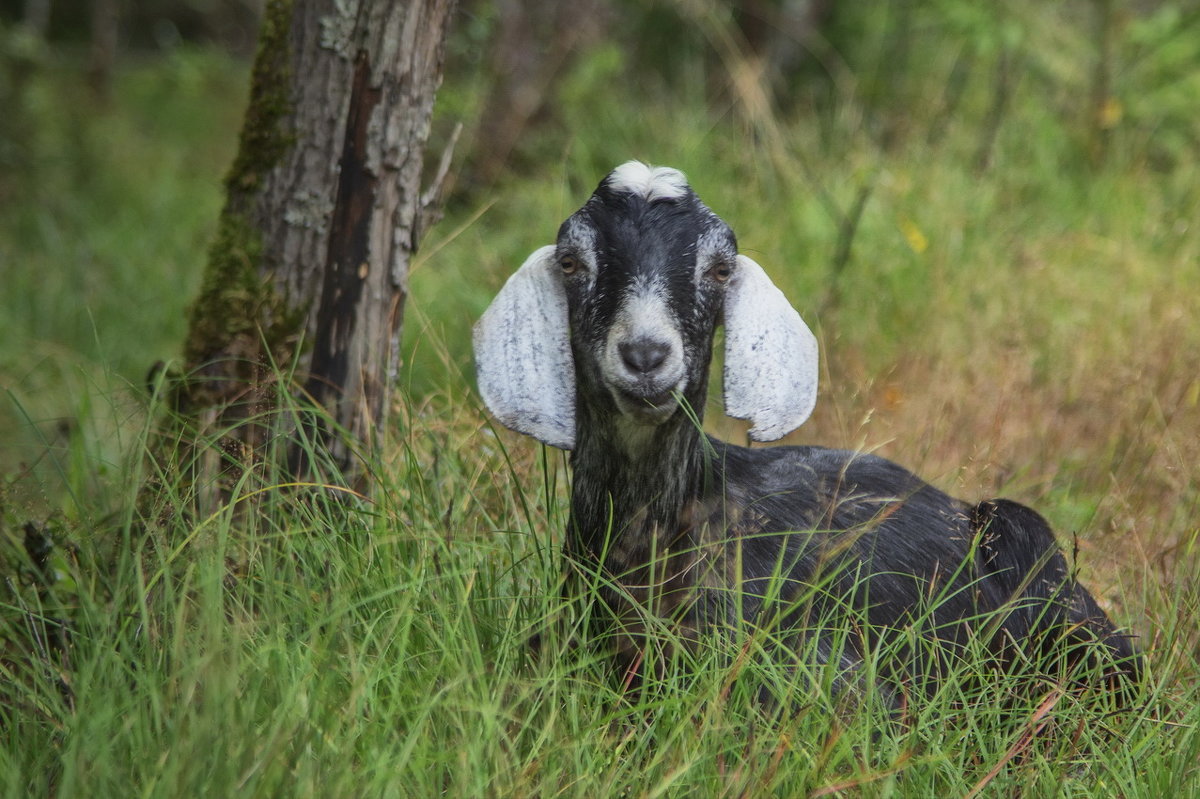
(770, 355)
(523, 354)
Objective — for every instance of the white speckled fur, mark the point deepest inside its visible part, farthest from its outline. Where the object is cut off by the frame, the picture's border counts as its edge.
(653, 183)
(523, 354)
(770, 356)
(711, 245)
(644, 314)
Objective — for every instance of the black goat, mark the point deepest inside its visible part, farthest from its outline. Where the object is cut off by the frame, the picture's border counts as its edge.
(601, 345)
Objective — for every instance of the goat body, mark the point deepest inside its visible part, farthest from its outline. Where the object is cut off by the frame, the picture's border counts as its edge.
(601, 345)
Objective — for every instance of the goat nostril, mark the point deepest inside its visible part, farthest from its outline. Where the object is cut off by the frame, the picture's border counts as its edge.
(643, 356)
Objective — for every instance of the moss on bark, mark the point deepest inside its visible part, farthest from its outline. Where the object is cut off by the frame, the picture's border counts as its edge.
(238, 306)
(265, 136)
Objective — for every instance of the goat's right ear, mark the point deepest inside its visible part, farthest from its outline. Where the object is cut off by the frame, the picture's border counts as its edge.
(523, 354)
(770, 356)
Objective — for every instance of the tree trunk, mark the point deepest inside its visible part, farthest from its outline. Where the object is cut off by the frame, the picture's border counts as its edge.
(534, 46)
(37, 16)
(106, 26)
(323, 212)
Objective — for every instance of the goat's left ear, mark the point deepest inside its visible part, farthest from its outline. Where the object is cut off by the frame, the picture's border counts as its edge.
(523, 354)
(770, 356)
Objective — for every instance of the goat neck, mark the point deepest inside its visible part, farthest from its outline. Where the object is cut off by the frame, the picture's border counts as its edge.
(633, 482)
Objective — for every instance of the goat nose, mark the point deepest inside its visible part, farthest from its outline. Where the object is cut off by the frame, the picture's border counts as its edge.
(643, 356)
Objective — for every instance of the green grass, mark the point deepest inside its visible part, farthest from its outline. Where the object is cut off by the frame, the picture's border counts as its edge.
(1026, 330)
(302, 641)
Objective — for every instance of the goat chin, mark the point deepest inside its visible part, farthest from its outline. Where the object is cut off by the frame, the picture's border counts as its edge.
(652, 409)
(594, 345)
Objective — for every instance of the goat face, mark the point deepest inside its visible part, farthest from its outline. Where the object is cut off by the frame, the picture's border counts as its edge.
(644, 265)
(620, 314)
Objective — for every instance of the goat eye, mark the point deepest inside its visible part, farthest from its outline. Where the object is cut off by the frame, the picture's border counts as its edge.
(721, 271)
(569, 264)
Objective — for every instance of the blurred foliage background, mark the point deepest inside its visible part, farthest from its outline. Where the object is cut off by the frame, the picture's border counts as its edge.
(987, 211)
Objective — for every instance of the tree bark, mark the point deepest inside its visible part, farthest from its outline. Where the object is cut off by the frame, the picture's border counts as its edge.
(106, 25)
(534, 46)
(323, 211)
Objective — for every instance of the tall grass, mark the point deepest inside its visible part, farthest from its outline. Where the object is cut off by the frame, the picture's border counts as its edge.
(328, 644)
(1025, 329)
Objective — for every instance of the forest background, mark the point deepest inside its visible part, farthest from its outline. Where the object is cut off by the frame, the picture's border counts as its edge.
(987, 212)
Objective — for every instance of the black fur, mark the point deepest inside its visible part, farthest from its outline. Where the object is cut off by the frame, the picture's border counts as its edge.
(713, 536)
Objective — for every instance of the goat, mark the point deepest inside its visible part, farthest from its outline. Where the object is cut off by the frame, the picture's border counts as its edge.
(601, 344)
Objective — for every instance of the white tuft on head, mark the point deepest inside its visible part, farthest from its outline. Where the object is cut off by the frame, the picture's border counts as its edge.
(651, 182)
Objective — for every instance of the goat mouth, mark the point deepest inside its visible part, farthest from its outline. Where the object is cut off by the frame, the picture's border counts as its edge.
(653, 407)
